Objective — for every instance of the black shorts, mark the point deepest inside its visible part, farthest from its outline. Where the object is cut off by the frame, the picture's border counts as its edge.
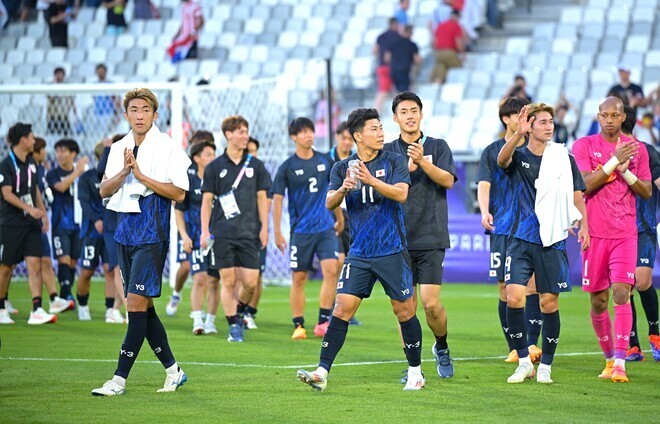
(66, 243)
(111, 247)
(93, 249)
(498, 243)
(181, 255)
(358, 276)
(230, 253)
(550, 266)
(344, 238)
(141, 268)
(197, 262)
(304, 246)
(646, 247)
(427, 266)
(262, 259)
(45, 246)
(18, 243)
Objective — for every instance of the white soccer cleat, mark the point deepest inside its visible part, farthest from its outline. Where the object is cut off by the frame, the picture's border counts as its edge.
(415, 382)
(174, 381)
(198, 329)
(249, 322)
(523, 372)
(314, 379)
(209, 328)
(110, 388)
(5, 318)
(41, 317)
(113, 316)
(58, 305)
(10, 308)
(543, 376)
(172, 305)
(84, 314)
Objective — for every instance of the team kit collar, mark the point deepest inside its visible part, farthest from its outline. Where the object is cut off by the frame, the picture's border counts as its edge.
(421, 140)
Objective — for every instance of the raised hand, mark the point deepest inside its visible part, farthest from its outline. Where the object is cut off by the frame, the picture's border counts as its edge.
(525, 123)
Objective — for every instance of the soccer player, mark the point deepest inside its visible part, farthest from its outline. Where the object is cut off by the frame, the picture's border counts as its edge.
(150, 163)
(239, 224)
(549, 197)
(187, 216)
(374, 187)
(305, 176)
(66, 229)
(22, 220)
(497, 201)
(342, 150)
(615, 169)
(432, 173)
(646, 249)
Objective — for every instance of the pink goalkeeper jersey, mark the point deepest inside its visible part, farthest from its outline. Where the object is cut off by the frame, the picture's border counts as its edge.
(611, 210)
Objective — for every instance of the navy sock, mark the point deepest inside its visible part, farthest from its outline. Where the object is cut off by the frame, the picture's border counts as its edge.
(7, 295)
(52, 296)
(332, 342)
(411, 331)
(634, 339)
(441, 342)
(517, 330)
(534, 319)
(135, 334)
(298, 322)
(64, 275)
(157, 338)
(551, 327)
(324, 315)
(109, 302)
(250, 310)
(36, 303)
(2, 303)
(240, 309)
(650, 303)
(83, 299)
(501, 310)
(233, 319)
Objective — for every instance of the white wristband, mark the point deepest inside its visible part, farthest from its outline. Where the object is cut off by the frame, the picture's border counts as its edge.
(611, 165)
(629, 177)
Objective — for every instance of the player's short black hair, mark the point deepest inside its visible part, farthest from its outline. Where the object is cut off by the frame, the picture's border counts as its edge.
(101, 65)
(300, 124)
(201, 136)
(628, 124)
(341, 128)
(18, 131)
(197, 148)
(358, 118)
(69, 144)
(511, 106)
(255, 141)
(403, 96)
(117, 137)
(39, 144)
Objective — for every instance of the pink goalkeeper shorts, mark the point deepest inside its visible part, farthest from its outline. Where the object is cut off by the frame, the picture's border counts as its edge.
(609, 261)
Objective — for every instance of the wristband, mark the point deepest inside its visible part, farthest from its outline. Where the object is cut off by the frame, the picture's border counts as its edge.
(629, 177)
(611, 165)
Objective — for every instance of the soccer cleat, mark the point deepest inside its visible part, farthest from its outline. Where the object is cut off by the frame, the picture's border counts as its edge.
(543, 376)
(5, 318)
(415, 382)
(634, 354)
(235, 333)
(655, 346)
(110, 388)
(84, 314)
(198, 329)
(174, 381)
(404, 378)
(299, 333)
(318, 382)
(113, 316)
(535, 353)
(10, 308)
(512, 357)
(41, 317)
(209, 328)
(608, 370)
(354, 321)
(248, 322)
(72, 302)
(59, 305)
(172, 305)
(523, 372)
(321, 329)
(443, 362)
(619, 374)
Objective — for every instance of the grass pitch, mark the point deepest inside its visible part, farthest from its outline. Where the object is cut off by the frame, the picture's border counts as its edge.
(47, 372)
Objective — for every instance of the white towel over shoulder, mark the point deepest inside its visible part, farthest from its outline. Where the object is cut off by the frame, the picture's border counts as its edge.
(158, 157)
(554, 206)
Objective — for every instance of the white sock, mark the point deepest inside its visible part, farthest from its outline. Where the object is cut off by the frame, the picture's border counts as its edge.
(173, 369)
(609, 359)
(544, 367)
(525, 361)
(322, 372)
(196, 315)
(620, 363)
(415, 370)
(176, 293)
(119, 380)
(210, 319)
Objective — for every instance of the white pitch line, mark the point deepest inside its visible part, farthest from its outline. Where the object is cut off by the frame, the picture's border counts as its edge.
(234, 365)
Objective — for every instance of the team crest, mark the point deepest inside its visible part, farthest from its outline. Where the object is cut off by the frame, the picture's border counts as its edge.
(249, 172)
(223, 173)
(380, 173)
(320, 167)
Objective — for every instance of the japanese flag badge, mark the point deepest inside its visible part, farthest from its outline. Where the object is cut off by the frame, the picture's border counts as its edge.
(380, 173)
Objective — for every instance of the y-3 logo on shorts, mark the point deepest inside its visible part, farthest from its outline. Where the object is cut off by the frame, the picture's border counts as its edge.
(563, 285)
(405, 292)
(139, 286)
(644, 260)
(631, 274)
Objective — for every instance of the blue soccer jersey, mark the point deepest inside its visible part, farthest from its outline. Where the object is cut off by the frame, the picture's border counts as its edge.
(306, 181)
(646, 209)
(62, 207)
(377, 223)
(90, 203)
(192, 209)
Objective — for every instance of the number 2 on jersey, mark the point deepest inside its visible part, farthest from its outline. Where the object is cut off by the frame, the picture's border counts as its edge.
(312, 185)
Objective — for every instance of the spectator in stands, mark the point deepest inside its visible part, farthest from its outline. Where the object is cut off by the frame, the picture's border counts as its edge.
(59, 109)
(145, 9)
(184, 45)
(518, 89)
(383, 77)
(107, 109)
(449, 47)
(321, 115)
(4, 16)
(401, 57)
(401, 14)
(656, 114)
(58, 16)
(647, 131)
(441, 13)
(115, 21)
(566, 116)
(631, 94)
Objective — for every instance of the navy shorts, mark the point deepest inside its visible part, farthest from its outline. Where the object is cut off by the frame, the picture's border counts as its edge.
(230, 253)
(262, 260)
(197, 262)
(141, 268)
(18, 243)
(66, 243)
(304, 246)
(110, 247)
(646, 247)
(45, 246)
(93, 249)
(427, 266)
(550, 266)
(498, 243)
(358, 276)
(344, 238)
(181, 255)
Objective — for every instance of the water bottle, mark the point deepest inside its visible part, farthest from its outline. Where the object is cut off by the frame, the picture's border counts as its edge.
(209, 245)
(353, 166)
